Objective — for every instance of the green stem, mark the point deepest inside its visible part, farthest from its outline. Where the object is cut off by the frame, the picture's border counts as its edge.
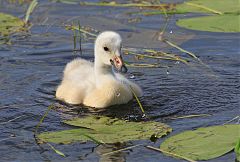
(204, 7)
(56, 151)
(138, 101)
(170, 153)
(30, 10)
(159, 57)
(114, 4)
(116, 151)
(41, 120)
(181, 49)
(83, 31)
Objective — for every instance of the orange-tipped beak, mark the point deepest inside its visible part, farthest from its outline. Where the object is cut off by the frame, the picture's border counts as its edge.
(119, 65)
(118, 62)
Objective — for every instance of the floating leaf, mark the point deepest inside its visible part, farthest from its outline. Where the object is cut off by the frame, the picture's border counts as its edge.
(226, 20)
(218, 23)
(105, 130)
(9, 24)
(201, 6)
(203, 143)
(209, 6)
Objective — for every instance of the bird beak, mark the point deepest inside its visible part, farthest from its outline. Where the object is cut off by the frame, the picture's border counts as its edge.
(117, 62)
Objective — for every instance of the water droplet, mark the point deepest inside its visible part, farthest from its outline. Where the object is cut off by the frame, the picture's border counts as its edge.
(118, 94)
(131, 76)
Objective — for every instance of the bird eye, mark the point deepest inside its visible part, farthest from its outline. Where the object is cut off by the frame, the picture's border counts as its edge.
(106, 49)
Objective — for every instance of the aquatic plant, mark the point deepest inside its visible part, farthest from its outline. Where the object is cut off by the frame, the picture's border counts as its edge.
(148, 53)
(222, 16)
(203, 143)
(30, 9)
(10, 24)
(105, 130)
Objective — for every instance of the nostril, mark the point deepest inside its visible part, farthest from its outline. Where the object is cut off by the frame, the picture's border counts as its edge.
(111, 61)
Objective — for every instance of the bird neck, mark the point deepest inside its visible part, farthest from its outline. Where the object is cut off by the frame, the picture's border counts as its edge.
(102, 71)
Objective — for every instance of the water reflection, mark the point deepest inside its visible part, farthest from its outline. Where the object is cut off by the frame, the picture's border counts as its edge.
(113, 157)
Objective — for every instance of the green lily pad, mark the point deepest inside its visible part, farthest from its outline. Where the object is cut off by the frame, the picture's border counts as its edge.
(225, 19)
(237, 149)
(203, 143)
(218, 23)
(9, 24)
(203, 6)
(105, 130)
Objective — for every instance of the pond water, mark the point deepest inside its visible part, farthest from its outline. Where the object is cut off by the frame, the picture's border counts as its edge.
(31, 68)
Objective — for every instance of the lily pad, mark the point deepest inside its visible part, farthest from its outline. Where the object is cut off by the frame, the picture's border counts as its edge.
(225, 19)
(9, 24)
(203, 6)
(203, 143)
(218, 23)
(105, 130)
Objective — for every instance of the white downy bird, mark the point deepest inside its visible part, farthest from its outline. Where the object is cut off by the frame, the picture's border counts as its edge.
(96, 84)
